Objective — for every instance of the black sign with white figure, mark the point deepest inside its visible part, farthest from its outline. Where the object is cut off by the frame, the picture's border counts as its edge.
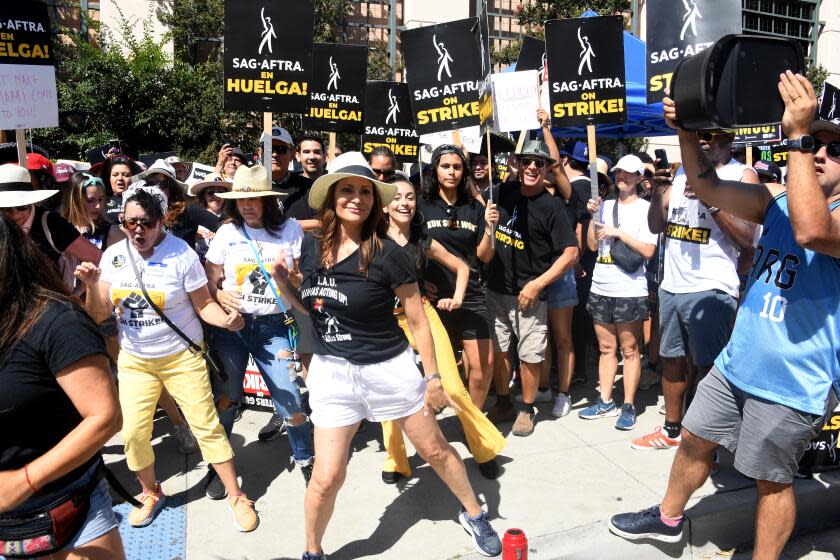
(337, 98)
(443, 67)
(268, 55)
(586, 70)
(531, 55)
(678, 29)
(389, 121)
(829, 103)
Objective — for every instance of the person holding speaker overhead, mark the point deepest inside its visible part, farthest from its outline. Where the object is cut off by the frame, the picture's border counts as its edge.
(618, 300)
(483, 439)
(363, 366)
(774, 383)
(240, 256)
(157, 287)
(463, 226)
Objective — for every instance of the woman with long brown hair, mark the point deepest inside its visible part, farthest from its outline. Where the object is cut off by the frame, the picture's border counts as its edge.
(363, 367)
(52, 358)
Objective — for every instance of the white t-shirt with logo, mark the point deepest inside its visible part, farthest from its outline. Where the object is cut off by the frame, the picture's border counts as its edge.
(608, 279)
(230, 248)
(698, 255)
(170, 274)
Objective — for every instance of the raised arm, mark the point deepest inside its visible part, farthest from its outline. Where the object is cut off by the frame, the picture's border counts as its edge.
(561, 180)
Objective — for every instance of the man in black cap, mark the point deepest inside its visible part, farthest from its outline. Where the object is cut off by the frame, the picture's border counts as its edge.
(768, 172)
(535, 245)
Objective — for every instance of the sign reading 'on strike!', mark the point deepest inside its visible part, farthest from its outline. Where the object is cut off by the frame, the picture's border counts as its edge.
(389, 121)
(443, 67)
(586, 70)
(337, 100)
(268, 55)
(28, 97)
(678, 29)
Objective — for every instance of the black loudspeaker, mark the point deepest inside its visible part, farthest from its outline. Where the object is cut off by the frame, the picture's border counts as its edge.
(734, 83)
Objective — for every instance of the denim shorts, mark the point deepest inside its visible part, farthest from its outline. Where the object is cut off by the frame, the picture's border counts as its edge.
(100, 518)
(563, 291)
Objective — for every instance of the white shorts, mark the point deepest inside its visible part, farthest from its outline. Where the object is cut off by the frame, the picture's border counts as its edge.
(341, 394)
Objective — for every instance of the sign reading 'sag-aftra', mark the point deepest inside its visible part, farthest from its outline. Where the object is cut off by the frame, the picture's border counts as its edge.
(268, 55)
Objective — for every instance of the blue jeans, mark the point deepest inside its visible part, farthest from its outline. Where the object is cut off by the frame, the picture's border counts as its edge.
(263, 337)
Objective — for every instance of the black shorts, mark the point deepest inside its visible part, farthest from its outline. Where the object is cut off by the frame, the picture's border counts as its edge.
(467, 323)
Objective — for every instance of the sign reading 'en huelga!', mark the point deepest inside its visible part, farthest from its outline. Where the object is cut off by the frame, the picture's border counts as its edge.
(389, 121)
(443, 67)
(586, 70)
(678, 29)
(337, 97)
(268, 55)
(28, 97)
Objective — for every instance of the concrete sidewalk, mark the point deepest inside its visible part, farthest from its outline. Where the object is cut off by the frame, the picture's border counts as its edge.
(559, 485)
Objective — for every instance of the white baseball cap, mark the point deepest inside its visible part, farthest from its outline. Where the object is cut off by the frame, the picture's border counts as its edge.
(280, 134)
(631, 164)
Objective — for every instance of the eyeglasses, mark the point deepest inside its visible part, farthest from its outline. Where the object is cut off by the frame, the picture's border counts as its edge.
(281, 150)
(710, 135)
(132, 224)
(453, 220)
(526, 162)
(385, 173)
(832, 149)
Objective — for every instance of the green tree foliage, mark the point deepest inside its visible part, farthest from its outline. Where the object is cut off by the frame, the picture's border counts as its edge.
(533, 14)
(817, 74)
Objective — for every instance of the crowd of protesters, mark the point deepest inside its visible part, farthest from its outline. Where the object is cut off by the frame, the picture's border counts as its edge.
(138, 291)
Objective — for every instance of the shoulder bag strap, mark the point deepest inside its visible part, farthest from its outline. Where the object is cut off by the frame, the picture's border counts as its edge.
(195, 348)
(615, 213)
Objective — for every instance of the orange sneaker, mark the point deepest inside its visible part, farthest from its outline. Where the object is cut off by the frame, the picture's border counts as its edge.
(244, 517)
(152, 504)
(655, 441)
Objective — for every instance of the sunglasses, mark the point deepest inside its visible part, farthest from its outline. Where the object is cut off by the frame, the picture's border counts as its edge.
(453, 220)
(709, 136)
(386, 173)
(526, 162)
(281, 150)
(214, 192)
(832, 149)
(132, 224)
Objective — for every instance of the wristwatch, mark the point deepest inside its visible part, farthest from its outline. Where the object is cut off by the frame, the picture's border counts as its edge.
(804, 143)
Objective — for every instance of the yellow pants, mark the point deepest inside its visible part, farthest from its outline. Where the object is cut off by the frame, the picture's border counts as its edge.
(483, 439)
(185, 377)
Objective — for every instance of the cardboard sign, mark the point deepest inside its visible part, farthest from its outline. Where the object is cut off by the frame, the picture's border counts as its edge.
(337, 98)
(28, 97)
(586, 70)
(516, 98)
(443, 67)
(389, 121)
(268, 55)
(471, 138)
(531, 55)
(255, 392)
(829, 103)
(767, 134)
(677, 29)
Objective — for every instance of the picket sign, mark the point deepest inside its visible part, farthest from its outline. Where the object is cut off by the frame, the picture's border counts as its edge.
(20, 138)
(749, 155)
(490, 183)
(593, 159)
(331, 154)
(266, 155)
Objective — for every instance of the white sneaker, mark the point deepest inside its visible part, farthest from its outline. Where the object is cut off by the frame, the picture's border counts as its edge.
(186, 440)
(562, 406)
(545, 396)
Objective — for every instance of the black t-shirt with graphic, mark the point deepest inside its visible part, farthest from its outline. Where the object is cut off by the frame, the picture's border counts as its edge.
(353, 316)
(294, 196)
(461, 239)
(35, 412)
(532, 233)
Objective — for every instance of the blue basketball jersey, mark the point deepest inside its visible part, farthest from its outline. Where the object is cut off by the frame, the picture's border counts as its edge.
(786, 343)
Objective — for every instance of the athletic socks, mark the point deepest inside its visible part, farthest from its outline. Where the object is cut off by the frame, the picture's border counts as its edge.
(672, 429)
(670, 521)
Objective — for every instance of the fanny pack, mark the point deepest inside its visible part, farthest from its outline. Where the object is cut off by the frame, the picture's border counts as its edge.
(49, 529)
(622, 255)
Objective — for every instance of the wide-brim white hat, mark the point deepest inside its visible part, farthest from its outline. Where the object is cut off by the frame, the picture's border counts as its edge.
(349, 164)
(211, 180)
(16, 187)
(249, 182)
(161, 167)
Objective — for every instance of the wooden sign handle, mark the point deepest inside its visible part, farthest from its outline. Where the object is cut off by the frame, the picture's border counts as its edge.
(593, 159)
(331, 154)
(266, 147)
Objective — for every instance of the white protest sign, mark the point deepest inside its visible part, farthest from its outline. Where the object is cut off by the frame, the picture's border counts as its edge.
(516, 98)
(470, 138)
(198, 172)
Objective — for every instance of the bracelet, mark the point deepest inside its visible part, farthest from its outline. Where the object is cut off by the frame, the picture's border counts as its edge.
(432, 377)
(713, 210)
(29, 482)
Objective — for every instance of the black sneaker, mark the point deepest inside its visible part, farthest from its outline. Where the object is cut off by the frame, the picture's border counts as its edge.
(489, 470)
(313, 556)
(306, 471)
(213, 487)
(485, 539)
(645, 524)
(391, 477)
(273, 429)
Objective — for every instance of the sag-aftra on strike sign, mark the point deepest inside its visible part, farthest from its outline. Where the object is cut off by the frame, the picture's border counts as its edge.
(268, 55)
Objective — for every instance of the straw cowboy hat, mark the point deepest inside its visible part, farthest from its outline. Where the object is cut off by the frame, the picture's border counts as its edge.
(211, 180)
(16, 187)
(249, 182)
(350, 164)
(160, 167)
